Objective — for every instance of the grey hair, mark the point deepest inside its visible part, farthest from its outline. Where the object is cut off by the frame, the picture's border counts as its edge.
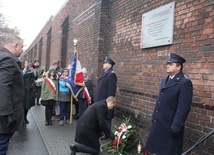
(12, 39)
(111, 99)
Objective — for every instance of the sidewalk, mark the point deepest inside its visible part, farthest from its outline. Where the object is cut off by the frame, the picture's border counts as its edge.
(27, 141)
(56, 138)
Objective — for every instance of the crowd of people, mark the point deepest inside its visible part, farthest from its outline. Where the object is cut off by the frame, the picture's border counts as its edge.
(21, 88)
(50, 88)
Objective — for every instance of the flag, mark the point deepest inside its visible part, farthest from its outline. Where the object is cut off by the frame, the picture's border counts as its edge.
(76, 78)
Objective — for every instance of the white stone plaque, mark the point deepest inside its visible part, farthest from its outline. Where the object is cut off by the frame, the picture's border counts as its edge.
(157, 26)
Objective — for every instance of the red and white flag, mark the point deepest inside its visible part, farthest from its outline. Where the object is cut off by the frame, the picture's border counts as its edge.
(76, 78)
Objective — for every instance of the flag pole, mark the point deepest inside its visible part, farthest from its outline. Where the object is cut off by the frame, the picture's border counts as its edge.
(71, 110)
(71, 107)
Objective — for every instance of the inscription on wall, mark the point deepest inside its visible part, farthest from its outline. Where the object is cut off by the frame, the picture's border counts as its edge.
(157, 26)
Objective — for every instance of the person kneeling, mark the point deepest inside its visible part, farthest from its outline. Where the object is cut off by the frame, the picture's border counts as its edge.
(90, 126)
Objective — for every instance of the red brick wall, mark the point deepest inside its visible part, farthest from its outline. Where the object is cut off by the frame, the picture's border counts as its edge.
(113, 28)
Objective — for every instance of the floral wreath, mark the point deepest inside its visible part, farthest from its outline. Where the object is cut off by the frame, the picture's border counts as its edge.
(125, 138)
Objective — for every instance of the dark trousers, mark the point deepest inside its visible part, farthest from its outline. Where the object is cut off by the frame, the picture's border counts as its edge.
(4, 142)
(83, 105)
(49, 110)
(25, 114)
(86, 149)
(76, 104)
(64, 110)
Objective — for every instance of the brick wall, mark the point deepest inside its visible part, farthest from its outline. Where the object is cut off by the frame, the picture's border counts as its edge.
(112, 28)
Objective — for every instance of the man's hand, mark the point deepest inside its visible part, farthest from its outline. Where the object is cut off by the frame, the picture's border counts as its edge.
(11, 121)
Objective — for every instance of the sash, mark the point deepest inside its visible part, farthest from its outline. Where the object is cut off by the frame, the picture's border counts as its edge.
(51, 84)
(123, 129)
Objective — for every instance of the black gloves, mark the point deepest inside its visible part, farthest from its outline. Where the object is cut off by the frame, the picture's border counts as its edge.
(174, 134)
(111, 137)
(10, 120)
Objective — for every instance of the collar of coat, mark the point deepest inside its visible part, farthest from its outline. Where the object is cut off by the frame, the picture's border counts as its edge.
(104, 73)
(7, 51)
(173, 81)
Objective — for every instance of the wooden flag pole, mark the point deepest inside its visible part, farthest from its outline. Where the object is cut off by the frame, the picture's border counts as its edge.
(71, 110)
(71, 107)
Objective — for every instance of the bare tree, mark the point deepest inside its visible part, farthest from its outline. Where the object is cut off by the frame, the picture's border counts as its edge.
(5, 30)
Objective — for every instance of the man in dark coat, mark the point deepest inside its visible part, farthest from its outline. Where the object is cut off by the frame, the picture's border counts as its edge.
(39, 80)
(171, 110)
(29, 76)
(11, 91)
(90, 125)
(107, 86)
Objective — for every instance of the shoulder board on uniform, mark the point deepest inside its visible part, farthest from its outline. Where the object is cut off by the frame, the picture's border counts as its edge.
(186, 76)
(112, 72)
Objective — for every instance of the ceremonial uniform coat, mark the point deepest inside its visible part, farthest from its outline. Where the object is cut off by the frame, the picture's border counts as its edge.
(11, 91)
(107, 86)
(91, 124)
(170, 113)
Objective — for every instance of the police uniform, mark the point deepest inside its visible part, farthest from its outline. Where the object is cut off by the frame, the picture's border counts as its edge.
(170, 113)
(107, 86)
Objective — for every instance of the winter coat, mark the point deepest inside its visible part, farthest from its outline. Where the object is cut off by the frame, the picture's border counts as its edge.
(29, 76)
(47, 93)
(11, 91)
(91, 124)
(170, 113)
(107, 86)
(39, 71)
(64, 91)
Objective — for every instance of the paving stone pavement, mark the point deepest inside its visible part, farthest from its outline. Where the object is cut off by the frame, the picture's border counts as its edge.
(56, 138)
(27, 141)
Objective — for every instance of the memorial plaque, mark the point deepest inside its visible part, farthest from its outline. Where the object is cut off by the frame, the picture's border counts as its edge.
(157, 26)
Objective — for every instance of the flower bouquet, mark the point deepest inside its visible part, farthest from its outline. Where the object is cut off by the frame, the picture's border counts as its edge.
(125, 138)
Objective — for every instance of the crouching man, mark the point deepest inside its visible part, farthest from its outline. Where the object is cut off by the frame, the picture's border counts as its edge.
(90, 126)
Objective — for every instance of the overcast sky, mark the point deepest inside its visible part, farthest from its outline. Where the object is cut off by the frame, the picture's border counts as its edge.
(29, 16)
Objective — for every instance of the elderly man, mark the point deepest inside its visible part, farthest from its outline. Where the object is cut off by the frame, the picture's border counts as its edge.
(90, 125)
(171, 110)
(11, 91)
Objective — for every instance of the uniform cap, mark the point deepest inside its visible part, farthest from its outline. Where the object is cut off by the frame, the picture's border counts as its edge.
(176, 58)
(109, 60)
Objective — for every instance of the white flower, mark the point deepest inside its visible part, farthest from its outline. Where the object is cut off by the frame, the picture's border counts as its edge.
(115, 133)
(124, 136)
(129, 127)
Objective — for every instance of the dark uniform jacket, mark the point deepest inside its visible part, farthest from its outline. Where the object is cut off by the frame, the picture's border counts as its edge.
(91, 124)
(170, 113)
(11, 91)
(107, 86)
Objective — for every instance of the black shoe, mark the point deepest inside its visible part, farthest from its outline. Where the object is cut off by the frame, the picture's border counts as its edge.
(104, 137)
(50, 122)
(26, 121)
(47, 123)
(73, 150)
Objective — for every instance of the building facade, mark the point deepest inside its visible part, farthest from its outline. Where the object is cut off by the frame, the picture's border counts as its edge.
(113, 28)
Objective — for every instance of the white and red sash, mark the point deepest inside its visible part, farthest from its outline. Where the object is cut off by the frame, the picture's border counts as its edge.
(51, 84)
